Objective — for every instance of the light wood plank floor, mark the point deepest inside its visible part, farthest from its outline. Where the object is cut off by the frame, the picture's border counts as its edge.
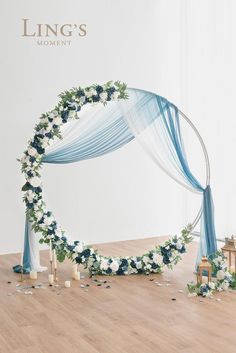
(133, 316)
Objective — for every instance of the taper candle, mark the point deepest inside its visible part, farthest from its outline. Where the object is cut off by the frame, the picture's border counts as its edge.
(22, 257)
(50, 249)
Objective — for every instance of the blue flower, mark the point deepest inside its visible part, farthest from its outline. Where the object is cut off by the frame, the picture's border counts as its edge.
(182, 250)
(49, 135)
(85, 253)
(64, 114)
(95, 98)
(50, 231)
(166, 260)
(79, 93)
(32, 159)
(111, 90)
(40, 150)
(99, 89)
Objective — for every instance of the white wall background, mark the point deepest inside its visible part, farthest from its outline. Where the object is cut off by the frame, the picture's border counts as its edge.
(181, 49)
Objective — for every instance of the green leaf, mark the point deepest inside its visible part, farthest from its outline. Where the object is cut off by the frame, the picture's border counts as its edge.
(26, 187)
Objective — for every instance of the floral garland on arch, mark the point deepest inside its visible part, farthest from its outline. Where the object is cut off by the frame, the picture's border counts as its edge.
(43, 221)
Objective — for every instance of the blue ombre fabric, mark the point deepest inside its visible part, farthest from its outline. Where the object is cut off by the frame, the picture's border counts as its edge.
(115, 125)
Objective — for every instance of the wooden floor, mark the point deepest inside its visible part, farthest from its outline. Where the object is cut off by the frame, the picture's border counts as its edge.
(133, 316)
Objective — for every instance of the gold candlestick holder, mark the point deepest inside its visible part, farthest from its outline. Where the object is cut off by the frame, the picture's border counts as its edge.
(55, 275)
(21, 275)
(51, 267)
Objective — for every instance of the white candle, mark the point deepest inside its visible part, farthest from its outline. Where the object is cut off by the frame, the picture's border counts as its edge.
(55, 259)
(33, 274)
(22, 257)
(74, 270)
(76, 276)
(50, 279)
(50, 249)
(67, 284)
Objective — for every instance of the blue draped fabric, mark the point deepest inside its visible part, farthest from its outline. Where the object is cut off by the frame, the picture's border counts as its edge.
(208, 243)
(115, 126)
(27, 253)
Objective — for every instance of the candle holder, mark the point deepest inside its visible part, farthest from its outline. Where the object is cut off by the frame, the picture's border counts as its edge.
(51, 272)
(21, 275)
(204, 267)
(55, 275)
(230, 249)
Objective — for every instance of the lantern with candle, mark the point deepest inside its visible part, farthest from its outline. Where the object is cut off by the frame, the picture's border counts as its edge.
(204, 267)
(229, 249)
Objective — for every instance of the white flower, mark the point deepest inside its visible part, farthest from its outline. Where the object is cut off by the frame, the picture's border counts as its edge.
(90, 93)
(155, 258)
(30, 195)
(79, 248)
(45, 142)
(208, 294)
(35, 181)
(145, 259)
(32, 151)
(72, 114)
(220, 274)
(25, 159)
(115, 95)
(211, 285)
(148, 266)
(82, 99)
(103, 96)
(225, 285)
(48, 220)
(104, 264)
(138, 265)
(58, 232)
(39, 214)
(57, 120)
(114, 266)
(179, 245)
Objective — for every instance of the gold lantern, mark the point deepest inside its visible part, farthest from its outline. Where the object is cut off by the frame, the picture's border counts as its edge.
(230, 249)
(204, 266)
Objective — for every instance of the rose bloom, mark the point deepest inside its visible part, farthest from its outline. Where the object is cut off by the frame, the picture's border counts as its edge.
(35, 181)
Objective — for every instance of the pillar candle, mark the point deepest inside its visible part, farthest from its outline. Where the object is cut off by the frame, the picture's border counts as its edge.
(22, 257)
(74, 270)
(50, 279)
(76, 276)
(67, 284)
(33, 274)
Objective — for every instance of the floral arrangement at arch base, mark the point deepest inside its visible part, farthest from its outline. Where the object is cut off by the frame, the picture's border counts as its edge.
(223, 278)
(43, 221)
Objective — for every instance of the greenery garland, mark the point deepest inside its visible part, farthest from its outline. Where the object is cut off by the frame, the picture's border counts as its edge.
(43, 220)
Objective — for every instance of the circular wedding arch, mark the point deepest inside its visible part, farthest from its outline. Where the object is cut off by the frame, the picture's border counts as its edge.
(43, 221)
